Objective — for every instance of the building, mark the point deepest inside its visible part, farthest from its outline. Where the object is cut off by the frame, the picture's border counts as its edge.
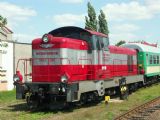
(6, 59)
(10, 53)
(5, 34)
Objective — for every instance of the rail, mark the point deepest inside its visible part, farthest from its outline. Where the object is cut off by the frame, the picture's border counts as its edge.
(86, 63)
(50, 61)
(142, 111)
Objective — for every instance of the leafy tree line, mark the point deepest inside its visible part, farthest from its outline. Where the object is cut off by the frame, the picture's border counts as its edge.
(99, 25)
(92, 23)
(121, 42)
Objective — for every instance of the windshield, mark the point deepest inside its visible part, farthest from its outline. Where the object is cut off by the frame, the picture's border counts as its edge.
(100, 42)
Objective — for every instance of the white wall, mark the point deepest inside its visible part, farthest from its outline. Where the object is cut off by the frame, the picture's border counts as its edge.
(9, 59)
(6, 51)
(23, 51)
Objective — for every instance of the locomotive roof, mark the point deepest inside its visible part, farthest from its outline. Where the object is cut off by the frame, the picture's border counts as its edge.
(142, 47)
(78, 29)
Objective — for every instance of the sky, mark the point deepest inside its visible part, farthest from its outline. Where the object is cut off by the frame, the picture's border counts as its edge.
(129, 20)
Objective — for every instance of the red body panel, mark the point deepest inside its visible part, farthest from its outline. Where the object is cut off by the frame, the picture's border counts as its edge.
(122, 70)
(77, 73)
(53, 73)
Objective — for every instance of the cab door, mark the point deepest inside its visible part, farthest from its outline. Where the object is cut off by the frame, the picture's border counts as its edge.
(101, 57)
(105, 57)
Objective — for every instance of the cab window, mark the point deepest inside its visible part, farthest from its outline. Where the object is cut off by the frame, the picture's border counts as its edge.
(100, 43)
(104, 43)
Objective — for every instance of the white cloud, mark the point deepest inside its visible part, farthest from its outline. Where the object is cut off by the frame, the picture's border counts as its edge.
(24, 38)
(123, 32)
(116, 37)
(126, 11)
(130, 37)
(132, 10)
(15, 13)
(125, 27)
(68, 19)
(72, 1)
(153, 6)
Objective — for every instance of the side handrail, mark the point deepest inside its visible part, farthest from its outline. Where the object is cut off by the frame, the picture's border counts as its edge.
(85, 59)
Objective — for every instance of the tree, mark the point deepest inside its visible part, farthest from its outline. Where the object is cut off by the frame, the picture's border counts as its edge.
(91, 20)
(103, 26)
(3, 21)
(1, 18)
(121, 42)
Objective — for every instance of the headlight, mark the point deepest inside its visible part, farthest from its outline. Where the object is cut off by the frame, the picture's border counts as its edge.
(16, 78)
(64, 78)
(45, 38)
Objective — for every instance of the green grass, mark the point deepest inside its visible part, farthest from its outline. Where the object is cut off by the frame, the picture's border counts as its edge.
(95, 112)
(7, 97)
(110, 111)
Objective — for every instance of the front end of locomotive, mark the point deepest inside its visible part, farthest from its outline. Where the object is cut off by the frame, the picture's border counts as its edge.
(50, 83)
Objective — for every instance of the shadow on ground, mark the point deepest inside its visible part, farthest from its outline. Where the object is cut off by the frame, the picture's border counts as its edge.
(24, 108)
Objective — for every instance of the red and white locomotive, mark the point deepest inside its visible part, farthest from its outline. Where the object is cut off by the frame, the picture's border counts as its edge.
(71, 64)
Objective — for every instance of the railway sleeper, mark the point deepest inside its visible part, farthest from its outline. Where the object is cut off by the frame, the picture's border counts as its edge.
(145, 114)
(155, 108)
(137, 118)
(158, 106)
(150, 110)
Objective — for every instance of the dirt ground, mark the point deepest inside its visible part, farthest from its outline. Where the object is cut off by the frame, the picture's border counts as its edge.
(154, 116)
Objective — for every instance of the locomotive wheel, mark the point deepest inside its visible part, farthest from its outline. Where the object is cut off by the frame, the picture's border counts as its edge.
(96, 97)
(83, 99)
(32, 102)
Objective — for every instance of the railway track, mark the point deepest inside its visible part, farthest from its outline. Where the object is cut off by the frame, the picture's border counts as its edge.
(147, 111)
